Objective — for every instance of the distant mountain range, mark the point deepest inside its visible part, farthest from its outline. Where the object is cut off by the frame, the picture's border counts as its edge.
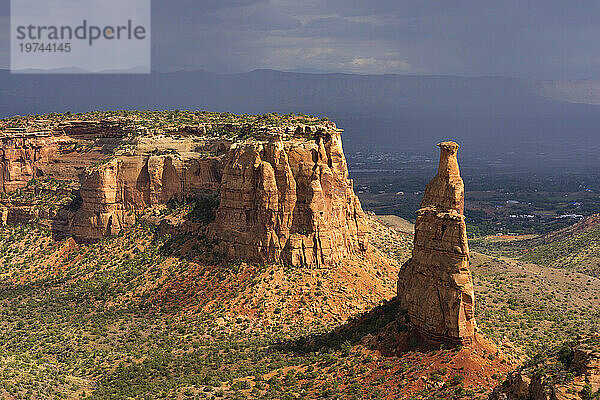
(489, 116)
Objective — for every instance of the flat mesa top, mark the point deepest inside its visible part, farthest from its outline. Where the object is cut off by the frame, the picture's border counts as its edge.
(149, 122)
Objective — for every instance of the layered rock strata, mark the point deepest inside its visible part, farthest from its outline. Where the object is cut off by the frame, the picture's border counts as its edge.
(289, 201)
(435, 285)
(59, 157)
(284, 193)
(148, 174)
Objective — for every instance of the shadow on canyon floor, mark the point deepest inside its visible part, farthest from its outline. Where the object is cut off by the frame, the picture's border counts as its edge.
(385, 329)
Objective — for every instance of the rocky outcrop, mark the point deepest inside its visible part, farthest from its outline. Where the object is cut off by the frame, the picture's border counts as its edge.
(18, 163)
(62, 157)
(284, 193)
(586, 361)
(31, 161)
(520, 386)
(154, 172)
(570, 372)
(290, 201)
(280, 200)
(435, 285)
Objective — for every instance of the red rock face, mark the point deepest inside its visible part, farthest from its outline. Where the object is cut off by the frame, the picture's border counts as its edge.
(18, 164)
(63, 153)
(544, 378)
(586, 360)
(435, 285)
(280, 200)
(50, 155)
(289, 201)
(55, 156)
(113, 192)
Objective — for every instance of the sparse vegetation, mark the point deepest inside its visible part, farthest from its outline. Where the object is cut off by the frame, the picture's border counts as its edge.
(155, 312)
(176, 122)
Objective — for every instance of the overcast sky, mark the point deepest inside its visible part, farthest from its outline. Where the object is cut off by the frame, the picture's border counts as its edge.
(544, 39)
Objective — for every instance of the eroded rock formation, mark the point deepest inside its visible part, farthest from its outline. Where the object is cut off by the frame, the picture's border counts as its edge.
(22, 159)
(544, 378)
(586, 362)
(289, 201)
(155, 171)
(284, 190)
(62, 153)
(435, 285)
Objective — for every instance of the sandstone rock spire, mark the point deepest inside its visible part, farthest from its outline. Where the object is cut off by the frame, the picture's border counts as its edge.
(435, 285)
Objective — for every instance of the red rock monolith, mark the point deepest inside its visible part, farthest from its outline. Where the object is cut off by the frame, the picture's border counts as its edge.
(435, 285)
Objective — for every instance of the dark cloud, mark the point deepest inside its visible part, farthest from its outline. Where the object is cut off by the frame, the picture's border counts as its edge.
(532, 39)
(183, 7)
(538, 39)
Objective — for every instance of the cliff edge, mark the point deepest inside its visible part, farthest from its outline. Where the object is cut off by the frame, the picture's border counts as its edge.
(289, 200)
(280, 184)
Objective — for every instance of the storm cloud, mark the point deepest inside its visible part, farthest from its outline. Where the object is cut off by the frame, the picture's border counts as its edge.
(540, 39)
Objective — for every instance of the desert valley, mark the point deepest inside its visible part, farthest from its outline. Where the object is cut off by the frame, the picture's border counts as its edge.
(192, 254)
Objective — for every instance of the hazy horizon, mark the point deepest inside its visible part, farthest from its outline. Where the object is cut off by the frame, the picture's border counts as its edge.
(500, 78)
(525, 122)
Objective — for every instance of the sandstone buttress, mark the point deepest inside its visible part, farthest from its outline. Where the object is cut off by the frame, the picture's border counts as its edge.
(291, 201)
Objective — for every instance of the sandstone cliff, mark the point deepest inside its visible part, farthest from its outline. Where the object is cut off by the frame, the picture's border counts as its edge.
(29, 163)
(149, 173)
(283, 189)
(60, 157)
(289, 201)
(61, 151)
(435, 285)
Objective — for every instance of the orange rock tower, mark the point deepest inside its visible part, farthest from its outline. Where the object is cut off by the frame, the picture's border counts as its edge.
(435, 285)
(290, 202)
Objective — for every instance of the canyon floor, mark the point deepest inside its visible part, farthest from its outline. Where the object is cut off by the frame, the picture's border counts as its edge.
(141, 315)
